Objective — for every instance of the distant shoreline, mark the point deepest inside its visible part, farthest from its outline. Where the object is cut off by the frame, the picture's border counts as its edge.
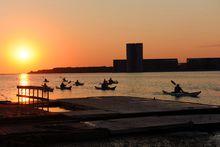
(97, 69)
(100, 69)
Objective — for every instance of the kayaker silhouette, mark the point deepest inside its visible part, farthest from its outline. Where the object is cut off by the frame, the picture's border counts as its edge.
(77, 82)
(45, 85)
(65, 80)
(178, 89)
(62, 85)
(110, 81)
(104, 84)
(45, 80)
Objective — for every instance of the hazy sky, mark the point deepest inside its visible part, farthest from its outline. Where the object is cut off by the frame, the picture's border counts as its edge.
(94, 32)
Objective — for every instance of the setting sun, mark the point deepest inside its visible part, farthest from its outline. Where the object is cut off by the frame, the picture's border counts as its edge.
(24, 54)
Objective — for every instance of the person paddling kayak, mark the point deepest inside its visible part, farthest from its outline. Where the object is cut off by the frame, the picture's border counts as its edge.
(178, 92)
(45, 80)
(77, 82)
(44, 85)
(104, 85)
(178, 89)
(65, 80)
(62, 85)
(110, 81)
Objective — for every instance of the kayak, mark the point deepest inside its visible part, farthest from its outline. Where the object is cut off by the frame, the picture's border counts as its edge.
(78, 84)
(109, 88)
(48, 89)
(183, 94)
(65, 88)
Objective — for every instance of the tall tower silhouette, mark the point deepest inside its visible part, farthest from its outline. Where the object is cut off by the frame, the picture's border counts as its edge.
(134, 57)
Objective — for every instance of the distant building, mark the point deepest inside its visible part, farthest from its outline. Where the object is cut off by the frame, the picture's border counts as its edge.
(201, 64)
(160, 65)
(136, 63)
(134, 57)
(120, 65)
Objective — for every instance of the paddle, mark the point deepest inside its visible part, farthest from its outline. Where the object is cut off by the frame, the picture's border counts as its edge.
(174, 83)
(68, 82)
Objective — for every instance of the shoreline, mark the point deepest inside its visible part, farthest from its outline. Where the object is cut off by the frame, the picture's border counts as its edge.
(36, 73)
(5, 74)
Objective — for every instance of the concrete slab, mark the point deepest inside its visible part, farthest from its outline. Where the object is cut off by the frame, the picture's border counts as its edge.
(123, 104)
(142, 124)
(81, 113)
(114, 116)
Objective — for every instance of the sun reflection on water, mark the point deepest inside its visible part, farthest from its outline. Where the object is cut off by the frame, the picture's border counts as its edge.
(24, 80)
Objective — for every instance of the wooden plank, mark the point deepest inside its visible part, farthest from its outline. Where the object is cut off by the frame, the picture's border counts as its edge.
(31, 87)
(33, 97)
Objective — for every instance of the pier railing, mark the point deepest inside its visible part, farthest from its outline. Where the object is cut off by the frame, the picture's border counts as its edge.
(32, 94)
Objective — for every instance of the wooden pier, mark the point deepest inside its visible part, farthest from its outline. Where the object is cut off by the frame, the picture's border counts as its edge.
(33, 94)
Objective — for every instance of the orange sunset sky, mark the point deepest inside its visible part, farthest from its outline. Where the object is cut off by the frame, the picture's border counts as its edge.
(39, 34)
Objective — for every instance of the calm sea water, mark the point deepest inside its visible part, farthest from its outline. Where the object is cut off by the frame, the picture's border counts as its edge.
(147, 85)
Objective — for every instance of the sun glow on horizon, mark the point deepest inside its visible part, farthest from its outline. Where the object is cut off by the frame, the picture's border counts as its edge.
(22, 54)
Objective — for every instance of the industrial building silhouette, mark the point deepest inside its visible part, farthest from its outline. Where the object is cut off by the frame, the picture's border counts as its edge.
(134, 57)
(136, 63)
